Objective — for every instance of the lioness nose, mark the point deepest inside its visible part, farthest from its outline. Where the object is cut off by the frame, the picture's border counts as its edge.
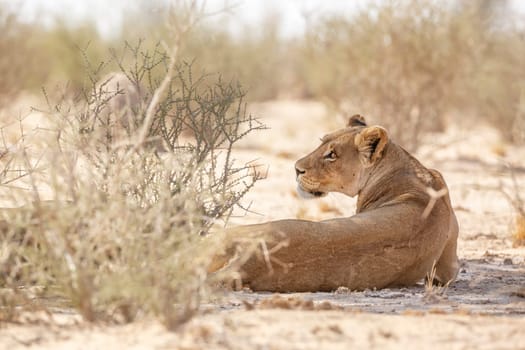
(299, 171)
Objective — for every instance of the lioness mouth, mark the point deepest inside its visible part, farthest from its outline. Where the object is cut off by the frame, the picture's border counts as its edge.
(318, 194)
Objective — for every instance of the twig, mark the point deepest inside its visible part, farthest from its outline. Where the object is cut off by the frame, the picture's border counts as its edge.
(434, 196)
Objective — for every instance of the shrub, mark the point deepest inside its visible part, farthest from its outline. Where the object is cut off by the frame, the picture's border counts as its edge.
(409, 63)
(395, 62)
(20, 68)
(498, 86)
(255, 58)
(519, 231)
(514, 197)
(124, 233)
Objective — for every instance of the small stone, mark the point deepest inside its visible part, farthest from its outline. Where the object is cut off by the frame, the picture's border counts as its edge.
(507, 261)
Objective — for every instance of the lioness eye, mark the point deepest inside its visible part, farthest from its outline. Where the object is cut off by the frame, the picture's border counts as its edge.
(330, 155)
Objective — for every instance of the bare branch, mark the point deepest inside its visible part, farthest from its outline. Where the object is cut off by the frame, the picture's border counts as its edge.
(434, 196)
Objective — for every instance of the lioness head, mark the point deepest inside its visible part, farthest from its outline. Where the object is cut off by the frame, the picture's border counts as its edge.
(339, 163)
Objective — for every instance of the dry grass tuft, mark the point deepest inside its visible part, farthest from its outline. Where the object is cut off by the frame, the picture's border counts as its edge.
(514, 197)
(518, 236)
(434, 292)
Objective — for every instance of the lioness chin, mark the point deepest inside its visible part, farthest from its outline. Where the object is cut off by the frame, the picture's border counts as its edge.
(397, 237)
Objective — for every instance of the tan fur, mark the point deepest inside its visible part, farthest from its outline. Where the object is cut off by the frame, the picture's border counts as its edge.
(389, 242)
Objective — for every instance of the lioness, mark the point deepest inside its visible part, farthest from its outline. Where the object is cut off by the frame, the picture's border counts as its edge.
(398, 235)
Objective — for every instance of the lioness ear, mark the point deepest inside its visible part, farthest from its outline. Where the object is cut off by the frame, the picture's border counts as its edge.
(356, 120)
(370, 143)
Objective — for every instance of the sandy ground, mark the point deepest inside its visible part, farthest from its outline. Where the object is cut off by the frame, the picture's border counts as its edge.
(483, 309)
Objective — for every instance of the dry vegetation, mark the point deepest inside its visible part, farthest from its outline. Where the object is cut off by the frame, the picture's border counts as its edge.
(125, 232)
(514, 197)
(394, 59)
(134, 192)
(421, 63)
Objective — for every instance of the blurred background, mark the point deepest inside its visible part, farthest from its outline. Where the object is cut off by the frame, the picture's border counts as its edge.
(423, 62)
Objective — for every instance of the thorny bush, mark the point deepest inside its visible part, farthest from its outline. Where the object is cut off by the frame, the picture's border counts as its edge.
(124, 233)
